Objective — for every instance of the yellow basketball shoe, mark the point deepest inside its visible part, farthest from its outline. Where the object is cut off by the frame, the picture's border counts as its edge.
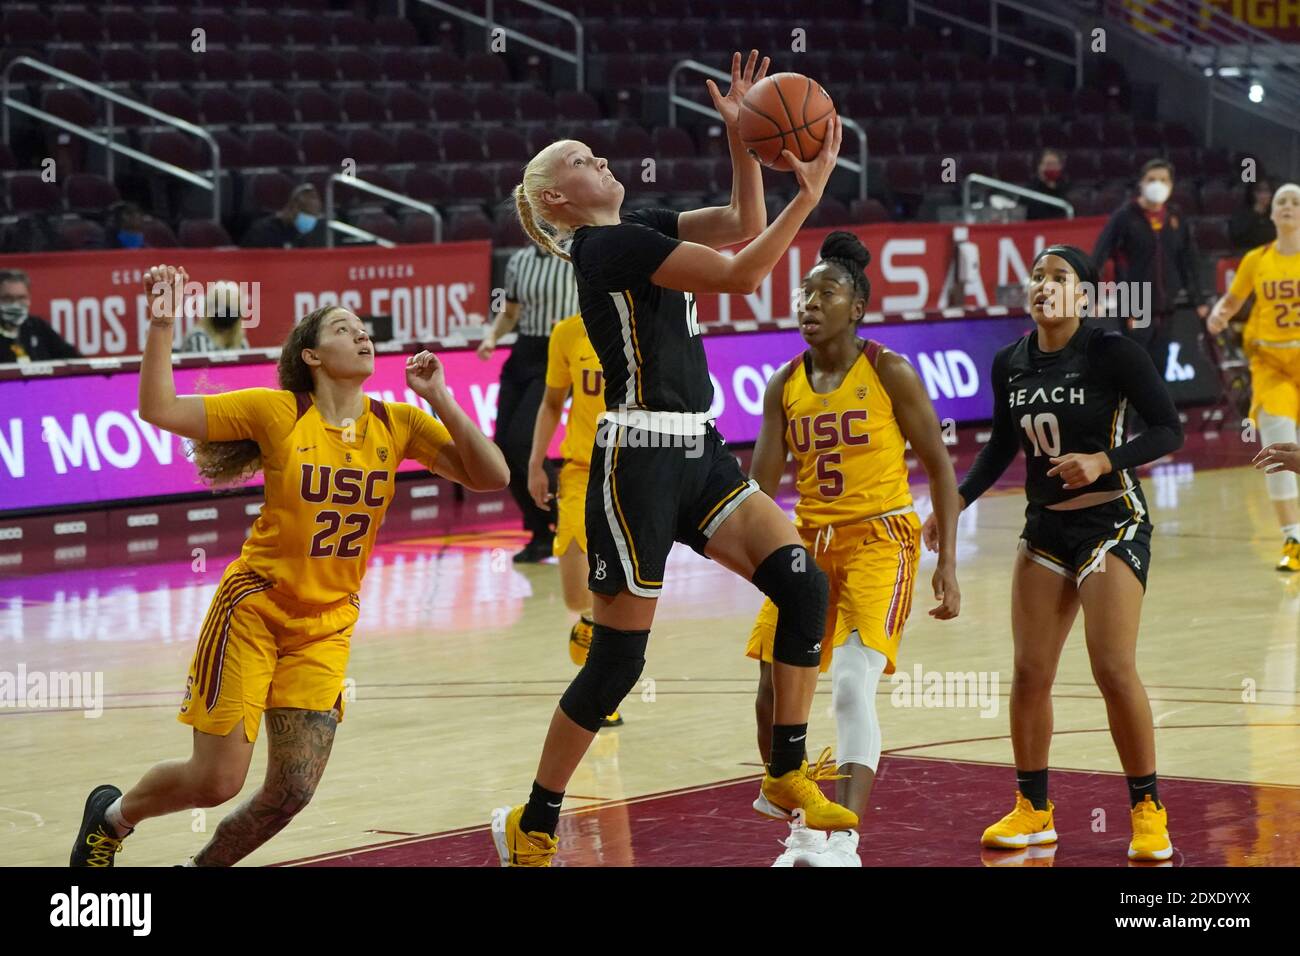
(1290, 560)
(798, 790)
(514, 846)
(580, 641)
(1023, 826)
(1150, 832)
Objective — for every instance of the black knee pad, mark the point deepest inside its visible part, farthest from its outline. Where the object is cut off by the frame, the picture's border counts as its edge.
(800, 591)
(613, 667)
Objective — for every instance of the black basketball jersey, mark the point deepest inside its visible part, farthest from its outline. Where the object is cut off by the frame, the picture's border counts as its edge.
(646, 337)
(1075, 400)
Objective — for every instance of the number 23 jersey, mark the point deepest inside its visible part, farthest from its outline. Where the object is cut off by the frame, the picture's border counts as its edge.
(327, 488)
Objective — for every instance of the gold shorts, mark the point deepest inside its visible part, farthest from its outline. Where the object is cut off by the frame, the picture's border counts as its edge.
(260, 649)
(571, 507)
(872, 570)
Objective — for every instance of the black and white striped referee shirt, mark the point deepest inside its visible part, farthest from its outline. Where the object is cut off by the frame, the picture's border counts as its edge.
(544, 287)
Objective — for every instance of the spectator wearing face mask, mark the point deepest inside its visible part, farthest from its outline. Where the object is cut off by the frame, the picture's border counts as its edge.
(221, 329)
(297, 225)
(23, 336)
(124, 228)
(1150, 241)
(1049, 177)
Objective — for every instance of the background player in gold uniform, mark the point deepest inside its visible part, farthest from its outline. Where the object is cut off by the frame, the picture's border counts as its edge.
(277, 634)
(846, 409)
(1272, 274)
(571, 367)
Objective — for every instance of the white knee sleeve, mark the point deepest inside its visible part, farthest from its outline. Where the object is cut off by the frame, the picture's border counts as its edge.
(1274, 428)
(855, 672)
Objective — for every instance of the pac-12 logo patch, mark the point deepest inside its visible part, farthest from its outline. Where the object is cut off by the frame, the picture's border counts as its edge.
(862, 392)
(383, 454)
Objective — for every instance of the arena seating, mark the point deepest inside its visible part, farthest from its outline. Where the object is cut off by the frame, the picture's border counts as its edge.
(291, 91)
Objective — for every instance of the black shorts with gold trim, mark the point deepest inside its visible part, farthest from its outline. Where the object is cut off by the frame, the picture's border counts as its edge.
(1075, 543)
(649, 489)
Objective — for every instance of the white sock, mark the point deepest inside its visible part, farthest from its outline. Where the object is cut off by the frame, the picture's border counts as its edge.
(115, 819)
(1291, 531)
(189, 862)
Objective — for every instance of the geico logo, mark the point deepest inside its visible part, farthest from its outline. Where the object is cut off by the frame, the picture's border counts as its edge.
(424, 491)
(11, 534)
(70, 553)
(255, 509)
(204, 538)
(143, 544)
(425, 513)
(70, 527)
(8, 559)
(201, 514)
(491, 507)
(141, 521)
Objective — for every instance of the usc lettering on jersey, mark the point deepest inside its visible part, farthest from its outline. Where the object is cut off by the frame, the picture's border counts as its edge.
(846, 444)
(327, 488)
(1275, 281)
(571, 362)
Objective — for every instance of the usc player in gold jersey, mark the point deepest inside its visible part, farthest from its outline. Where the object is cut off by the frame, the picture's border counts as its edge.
(846, 409)
(571, 368)
(1272, 338)
(276, 637)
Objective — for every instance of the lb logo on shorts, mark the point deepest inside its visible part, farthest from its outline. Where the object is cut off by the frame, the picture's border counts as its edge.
(600, 568)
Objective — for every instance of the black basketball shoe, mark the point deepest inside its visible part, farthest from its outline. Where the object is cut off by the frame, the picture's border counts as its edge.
(98, 840)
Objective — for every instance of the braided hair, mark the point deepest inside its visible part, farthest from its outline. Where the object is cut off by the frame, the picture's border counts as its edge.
(846, 252)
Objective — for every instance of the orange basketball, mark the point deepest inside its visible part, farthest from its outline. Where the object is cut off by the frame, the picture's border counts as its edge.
(785, 111)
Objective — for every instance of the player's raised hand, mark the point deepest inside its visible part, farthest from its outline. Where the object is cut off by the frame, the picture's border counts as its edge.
(1279, 456)
(164, 288)
(814, 174)
(425, 374)
(946, 592)
(1079, 471)
(729, 106)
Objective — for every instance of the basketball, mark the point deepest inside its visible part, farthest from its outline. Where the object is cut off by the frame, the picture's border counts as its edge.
(785, 111)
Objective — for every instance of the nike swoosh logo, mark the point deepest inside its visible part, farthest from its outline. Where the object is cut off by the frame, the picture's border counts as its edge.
(795, 740)
(1120, 524)
(561, 803)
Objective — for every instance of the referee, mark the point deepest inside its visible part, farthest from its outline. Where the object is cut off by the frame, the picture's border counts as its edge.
(540, 291)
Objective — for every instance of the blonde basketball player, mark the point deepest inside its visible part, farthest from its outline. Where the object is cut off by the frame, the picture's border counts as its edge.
(665, 474)
(571, 368)
(1272, 274)
(276, 638)
(845, 409)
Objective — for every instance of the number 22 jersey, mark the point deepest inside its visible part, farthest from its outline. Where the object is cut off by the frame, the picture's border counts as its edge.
(327, 488)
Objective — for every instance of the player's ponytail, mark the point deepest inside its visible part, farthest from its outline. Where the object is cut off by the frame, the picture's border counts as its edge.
(847, 251)
(233, 462)
(528, 200)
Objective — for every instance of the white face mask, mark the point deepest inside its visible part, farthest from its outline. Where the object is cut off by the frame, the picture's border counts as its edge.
(1156, 191)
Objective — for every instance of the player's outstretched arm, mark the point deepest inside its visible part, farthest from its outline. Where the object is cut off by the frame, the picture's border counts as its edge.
(920, 426)
(548, 419)
(692, 267)
(471, 458)
(1279, 456)
(182, 415)
(746, 215)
